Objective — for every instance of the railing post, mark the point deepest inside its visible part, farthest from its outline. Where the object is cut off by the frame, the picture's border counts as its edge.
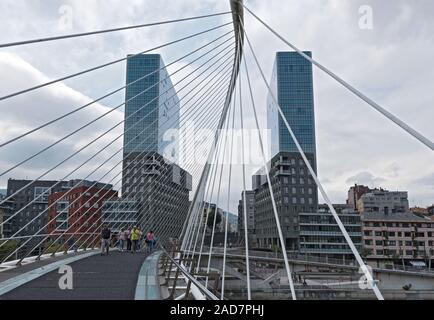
(169, 272)
(187, 292)
(172, 293)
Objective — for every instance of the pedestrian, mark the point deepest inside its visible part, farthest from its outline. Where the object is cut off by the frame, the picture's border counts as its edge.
(135, 234)
(114, 240)
(128, 238)
(122, 240)
(105, 240)
(139, 242)
(150, 241)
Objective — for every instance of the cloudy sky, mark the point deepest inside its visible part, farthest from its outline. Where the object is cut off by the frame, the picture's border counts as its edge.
(390, 62)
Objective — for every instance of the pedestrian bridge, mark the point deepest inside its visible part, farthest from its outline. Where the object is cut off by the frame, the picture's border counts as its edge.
(87, 275)
(212, 79)
(119, 276)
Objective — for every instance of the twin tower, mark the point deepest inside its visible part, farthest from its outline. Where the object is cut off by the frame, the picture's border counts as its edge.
(153, 107)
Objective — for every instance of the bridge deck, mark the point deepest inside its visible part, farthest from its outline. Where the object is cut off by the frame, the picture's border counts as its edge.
(112, 277)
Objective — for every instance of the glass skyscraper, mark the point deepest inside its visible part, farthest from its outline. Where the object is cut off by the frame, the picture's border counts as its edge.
(159, 187)
(152, 105)
(292, 84)
(293, 187)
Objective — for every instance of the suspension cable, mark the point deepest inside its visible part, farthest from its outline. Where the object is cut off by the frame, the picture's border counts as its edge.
(108, 64)
(351, 88)
(95, 120)
(11, 196)
(161, 178)
(76, 35)
(111, 93)
(314, 176)
(83, 179)
(121, 161)
(222, 296)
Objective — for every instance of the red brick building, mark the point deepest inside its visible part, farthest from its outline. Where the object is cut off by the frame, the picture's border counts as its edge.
(355, 193)
(77, 211)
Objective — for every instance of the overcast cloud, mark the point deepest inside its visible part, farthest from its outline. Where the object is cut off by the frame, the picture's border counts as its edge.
(392, 63)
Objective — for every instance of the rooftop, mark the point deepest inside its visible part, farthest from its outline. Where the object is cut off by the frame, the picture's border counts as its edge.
(400, 216)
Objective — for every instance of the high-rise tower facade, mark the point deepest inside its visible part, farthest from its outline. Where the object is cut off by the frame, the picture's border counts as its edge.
(293, 187)
(152, 110)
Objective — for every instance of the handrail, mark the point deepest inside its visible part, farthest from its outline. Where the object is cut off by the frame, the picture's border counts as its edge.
(200, 286)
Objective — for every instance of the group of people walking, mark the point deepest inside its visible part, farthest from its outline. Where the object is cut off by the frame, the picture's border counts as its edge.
(128, 239)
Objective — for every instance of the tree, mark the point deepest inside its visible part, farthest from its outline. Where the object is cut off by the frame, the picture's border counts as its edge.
(365, 253)
(7, 248)
(210, 221)
(51, 247)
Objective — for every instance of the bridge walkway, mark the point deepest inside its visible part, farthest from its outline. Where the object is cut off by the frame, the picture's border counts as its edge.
(95, 277)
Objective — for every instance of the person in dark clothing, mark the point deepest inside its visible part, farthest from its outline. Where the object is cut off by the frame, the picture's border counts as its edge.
(105, 239)
(128, 238)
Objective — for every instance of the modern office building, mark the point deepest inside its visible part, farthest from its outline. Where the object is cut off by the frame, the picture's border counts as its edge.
(292, 85)
(35, 193)
(293, 186)
(152, 107)
(163, 192)
(76, 212)
(119, 214)
(150, 173)
(321, 236)
(250, 201)
(6, 211)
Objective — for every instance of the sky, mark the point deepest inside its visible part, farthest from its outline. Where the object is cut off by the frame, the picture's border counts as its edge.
(389, 59)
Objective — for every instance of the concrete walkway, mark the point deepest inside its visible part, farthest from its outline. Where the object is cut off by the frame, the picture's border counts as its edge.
(97, 277)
